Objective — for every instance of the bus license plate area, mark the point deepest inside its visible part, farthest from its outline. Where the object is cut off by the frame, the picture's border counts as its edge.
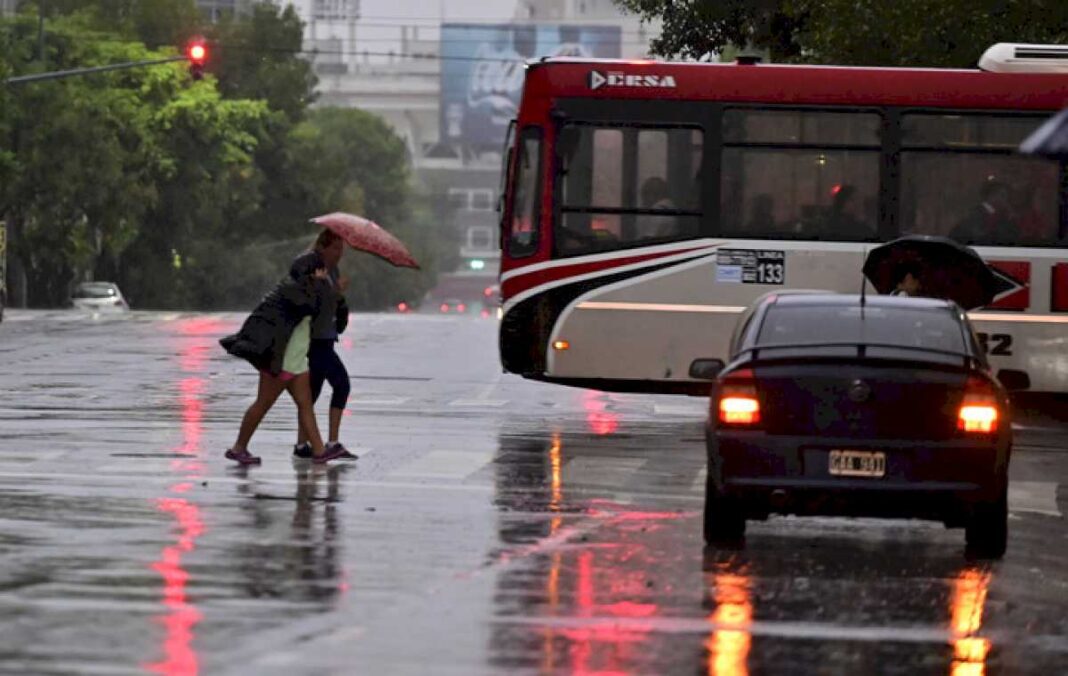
(857, 463)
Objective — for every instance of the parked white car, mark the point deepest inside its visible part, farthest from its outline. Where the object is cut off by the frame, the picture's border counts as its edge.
(99, 297)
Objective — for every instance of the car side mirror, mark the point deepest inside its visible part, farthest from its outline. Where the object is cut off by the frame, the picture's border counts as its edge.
(1013, 380)
(706, 369)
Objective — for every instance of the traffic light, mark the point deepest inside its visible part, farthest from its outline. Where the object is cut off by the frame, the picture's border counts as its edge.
(197, 53)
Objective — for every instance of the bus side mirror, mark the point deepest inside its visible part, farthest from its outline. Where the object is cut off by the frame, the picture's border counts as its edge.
(1013, 380)
(705, 369)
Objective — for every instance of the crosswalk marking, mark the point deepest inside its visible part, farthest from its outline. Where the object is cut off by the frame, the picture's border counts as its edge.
(446, 464)
(1038, 497)
(489, 403)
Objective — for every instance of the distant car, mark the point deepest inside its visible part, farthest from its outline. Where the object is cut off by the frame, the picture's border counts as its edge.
(830, 405)
(99, 297)
(453, 305)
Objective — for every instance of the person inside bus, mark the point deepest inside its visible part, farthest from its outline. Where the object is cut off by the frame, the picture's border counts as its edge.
(656, 196)
(844, 219)
(989, 221)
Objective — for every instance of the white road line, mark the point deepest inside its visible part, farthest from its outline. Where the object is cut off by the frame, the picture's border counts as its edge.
(687, 410)
(792, 630)
(698, 485)
(446, 464)
(603, 470)
(488, 403)
(378, 401)
(1038, 497)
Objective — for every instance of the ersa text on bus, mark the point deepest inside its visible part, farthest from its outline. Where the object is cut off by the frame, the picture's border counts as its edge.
(598, 79)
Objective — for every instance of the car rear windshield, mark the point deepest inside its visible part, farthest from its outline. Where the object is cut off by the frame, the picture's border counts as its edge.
(933, 329)
(94, 291)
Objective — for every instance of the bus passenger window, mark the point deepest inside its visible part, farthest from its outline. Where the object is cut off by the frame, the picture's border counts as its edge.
(799, 194)
(999, 197)
(624, 187)
(523, 233)
(800, 174)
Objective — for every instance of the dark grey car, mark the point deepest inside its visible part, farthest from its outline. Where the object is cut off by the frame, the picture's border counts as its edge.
(836, 405)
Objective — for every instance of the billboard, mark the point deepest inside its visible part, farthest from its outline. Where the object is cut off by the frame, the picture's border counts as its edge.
(482, 72)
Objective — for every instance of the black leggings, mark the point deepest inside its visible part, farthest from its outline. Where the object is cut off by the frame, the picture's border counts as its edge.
(324, 364)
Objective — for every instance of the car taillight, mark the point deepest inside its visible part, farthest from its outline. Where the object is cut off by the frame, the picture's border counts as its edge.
(444, 307)
(461, 308)
(737, 399)
(979, 408)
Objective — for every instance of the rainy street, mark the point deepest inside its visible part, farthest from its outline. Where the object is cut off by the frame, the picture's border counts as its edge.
(491, 525)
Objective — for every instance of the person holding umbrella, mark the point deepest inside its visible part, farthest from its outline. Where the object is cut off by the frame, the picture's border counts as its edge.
(323, 362)
(274, 339)
(936, 267)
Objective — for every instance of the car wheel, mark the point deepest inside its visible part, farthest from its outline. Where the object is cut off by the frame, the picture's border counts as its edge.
(724, 521)
(987, 530)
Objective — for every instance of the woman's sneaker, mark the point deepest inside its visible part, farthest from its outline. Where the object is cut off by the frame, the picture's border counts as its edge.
(302, 450)
(346, 454)
(242, 457)
(332, 451)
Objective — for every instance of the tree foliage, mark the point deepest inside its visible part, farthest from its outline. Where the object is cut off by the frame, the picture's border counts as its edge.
(190, 194)
(951, 33)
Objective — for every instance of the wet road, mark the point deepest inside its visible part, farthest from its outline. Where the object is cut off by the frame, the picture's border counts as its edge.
(491, 525)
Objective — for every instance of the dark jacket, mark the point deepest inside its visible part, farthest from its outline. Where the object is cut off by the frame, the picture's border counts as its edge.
(333, 315)
(263, 337)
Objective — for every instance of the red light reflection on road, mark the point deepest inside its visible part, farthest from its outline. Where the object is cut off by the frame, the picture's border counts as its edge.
(969, 598)
(728, 645)
(600, 421)
(181, 616)
(180, 659)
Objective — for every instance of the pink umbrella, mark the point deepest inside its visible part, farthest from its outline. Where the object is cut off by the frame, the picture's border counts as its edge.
(365, 235)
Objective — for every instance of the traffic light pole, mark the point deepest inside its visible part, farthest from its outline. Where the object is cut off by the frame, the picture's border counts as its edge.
(59, 74)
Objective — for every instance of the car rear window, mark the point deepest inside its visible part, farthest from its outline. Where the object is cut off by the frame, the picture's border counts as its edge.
(94, 291)
(807, 324)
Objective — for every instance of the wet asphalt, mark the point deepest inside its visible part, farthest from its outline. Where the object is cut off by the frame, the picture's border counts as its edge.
(491, 526)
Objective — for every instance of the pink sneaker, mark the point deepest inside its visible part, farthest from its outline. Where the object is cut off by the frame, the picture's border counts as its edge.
(242, 457)
(330, 452)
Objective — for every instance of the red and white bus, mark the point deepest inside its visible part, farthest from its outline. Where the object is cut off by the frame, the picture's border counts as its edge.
(646, 204)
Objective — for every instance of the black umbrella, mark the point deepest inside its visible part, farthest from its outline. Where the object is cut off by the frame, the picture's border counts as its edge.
(946, 269)
(1049, 140)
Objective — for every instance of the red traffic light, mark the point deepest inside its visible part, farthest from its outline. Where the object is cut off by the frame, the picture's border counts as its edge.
(198, 52)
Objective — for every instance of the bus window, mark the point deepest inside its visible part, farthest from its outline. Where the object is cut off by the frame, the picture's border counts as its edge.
(800, 127)
(623, 187)
(523, 233)
(1000, 198)
(800, 175)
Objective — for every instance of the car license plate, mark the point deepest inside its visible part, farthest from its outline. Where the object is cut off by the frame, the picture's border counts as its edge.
(857, 463)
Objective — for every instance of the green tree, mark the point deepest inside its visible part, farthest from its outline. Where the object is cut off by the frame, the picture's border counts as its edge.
(64, 217)
(347, 159)
(853, 32)
(258, 57)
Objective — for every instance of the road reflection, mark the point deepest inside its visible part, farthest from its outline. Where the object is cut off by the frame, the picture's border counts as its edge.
(729, 643)
(181, 617)
(298, 559)
(587, 585)
(968, 602)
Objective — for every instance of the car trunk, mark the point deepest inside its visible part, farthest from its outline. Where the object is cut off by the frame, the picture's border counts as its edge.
(854, 397)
